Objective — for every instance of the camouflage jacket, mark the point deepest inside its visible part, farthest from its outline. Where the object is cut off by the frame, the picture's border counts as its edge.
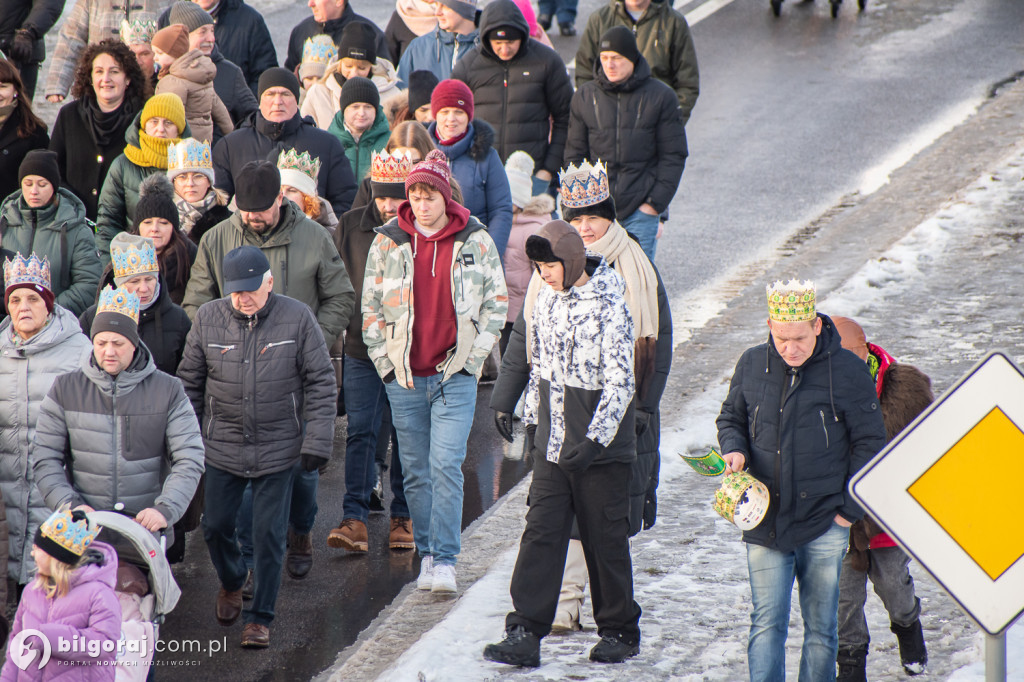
(478, 292)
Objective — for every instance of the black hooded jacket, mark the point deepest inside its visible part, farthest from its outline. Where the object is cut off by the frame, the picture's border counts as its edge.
(309, 27)
(353, 237)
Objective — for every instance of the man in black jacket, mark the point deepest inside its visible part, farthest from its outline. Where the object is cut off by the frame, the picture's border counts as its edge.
(520, 87)
(23, 23)
(632, 123)
(259, 377)
(803, 414)
(330, 17)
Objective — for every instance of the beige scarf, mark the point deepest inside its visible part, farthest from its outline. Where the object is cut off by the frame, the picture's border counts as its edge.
(418, 15)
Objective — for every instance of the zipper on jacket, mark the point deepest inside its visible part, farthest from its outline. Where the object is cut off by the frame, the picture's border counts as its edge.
(113, 405)
(223, 349)
(276, 343)
(504, 110)
(209, 424)
(295, 413)
(822, 413)
(753, 429)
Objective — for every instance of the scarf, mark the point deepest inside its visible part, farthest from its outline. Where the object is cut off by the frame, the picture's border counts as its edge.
(418, 15)
(103, 126)
(151, 152)
(20, 342)
(190, 213)
(5, 112)
(152, 301)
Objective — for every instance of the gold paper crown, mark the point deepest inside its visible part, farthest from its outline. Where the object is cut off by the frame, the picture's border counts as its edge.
(71, 534)
(584, 185)
(137, 31)
(189, 154)
(319, 49)
(390, 168)
(119, 301)
(291, 159)
(31, 271)
(131, 261)
(792, 301)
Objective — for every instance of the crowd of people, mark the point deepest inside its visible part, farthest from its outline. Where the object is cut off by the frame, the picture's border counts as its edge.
(209, 257)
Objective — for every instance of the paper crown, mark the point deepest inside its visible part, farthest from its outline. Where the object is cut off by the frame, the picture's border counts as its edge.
(320, 49)
(791, 302)
(189, 154)
(299, 170)
(131, 261)
(386, 167)
(66, 535)
(584, 185)
(742, 500)
(119, 301)
(31, 271)
(137, 31)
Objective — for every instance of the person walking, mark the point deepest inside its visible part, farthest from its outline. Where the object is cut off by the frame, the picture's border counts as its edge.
(360, 124)
(23, 25)
(330, 17)
(439, 50)
(21, 131)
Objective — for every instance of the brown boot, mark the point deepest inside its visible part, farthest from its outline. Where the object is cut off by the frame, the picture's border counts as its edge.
(401, 533)
(299, 558)
(350, 535)
(229, 606)
(255, 636)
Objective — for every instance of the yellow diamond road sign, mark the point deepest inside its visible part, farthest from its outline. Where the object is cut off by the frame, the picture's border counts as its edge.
(948, 489)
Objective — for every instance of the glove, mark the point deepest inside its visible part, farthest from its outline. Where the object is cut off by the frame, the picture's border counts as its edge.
(23, 46)
(503, 422)
(313, 462)
(389, 377)
(581, 456)
(531, 435)
(643, 422)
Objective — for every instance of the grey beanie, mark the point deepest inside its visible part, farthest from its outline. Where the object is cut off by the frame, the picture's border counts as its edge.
(190, 14)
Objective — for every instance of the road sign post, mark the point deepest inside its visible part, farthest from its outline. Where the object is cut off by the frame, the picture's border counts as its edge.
(995, 658)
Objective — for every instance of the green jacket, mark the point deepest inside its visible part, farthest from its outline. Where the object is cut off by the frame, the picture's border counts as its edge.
(62, 234)
(663, 37)
(303, 259)
(373, 140)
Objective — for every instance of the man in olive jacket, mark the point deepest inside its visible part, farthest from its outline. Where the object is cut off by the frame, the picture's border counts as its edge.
(259, 377)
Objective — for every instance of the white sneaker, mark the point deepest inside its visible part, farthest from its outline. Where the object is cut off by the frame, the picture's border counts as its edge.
(426, 579)
(444, 579)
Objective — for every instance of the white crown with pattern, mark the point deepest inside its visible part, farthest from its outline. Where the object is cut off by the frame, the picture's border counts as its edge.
(137, 31)
(31, 271)
(120, 301)
(584, 185)
(299, 170)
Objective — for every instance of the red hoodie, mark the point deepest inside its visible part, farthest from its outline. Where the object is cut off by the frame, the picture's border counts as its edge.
(435, 329)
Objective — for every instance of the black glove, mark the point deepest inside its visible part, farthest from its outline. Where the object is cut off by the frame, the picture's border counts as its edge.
(23, 46)
(503, 422)
(389, 377)
(531, 434)
(313, 462)
(643, 422)
(581, 456)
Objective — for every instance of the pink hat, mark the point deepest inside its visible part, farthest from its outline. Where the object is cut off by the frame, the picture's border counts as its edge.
(433, 171)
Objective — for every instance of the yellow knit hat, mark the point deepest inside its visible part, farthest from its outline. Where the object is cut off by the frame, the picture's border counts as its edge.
(166, 105)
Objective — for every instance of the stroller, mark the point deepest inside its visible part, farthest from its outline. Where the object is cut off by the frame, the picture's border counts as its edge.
(144, 602)
(861, 4)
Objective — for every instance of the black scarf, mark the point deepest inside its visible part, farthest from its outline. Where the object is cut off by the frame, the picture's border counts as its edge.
(105, 125)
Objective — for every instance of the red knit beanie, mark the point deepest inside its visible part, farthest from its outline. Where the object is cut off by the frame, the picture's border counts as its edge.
(452, 93)
(432, 171)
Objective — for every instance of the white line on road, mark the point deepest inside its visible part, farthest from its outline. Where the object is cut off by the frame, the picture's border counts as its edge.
(705, 11)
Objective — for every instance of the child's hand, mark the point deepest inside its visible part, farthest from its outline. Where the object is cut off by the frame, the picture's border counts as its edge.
(151, 519)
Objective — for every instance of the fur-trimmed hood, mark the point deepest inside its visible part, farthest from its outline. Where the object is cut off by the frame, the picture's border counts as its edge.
(542, 204)
(483, 140)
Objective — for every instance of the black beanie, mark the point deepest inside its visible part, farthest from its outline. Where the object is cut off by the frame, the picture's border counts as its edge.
(277, 77)
(43, 163)
(358, 89)
(621, 40)
(602, 209)
(505, 32)
(421, 86)
(156, 200)
(358, 41)
(257, 186)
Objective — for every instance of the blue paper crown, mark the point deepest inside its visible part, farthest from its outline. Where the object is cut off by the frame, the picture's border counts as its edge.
(120, 301)
(319, 49)
(29, 270)
(188, 154)
(584, 185)
(132, 261)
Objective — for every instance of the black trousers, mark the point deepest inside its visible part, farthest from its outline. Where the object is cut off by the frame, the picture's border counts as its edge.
(599, 499)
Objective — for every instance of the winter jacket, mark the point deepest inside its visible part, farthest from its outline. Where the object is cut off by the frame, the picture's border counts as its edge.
(525, 99)
(263, 387)
(323, 98)
(309, 27)
(359, 151)
(190, 77)
(256, 137)
(83, 163)
(481, 175)
(353, 238)
(398, 35)
(132, 439)
(90, 612)
(518, 268)
(478, 290)
(804, 432)
(26, 374)
(242, 37)
(581, 381)
(60, 232)
(305, 263)
(217, 214)
(38, 16)
(91, 21)
(13, 150)
(635, 128)
(437, 52)
(663, 37)
(163, 327)
(234, 91)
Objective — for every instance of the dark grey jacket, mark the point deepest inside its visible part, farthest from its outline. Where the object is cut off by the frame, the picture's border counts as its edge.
(263, 387)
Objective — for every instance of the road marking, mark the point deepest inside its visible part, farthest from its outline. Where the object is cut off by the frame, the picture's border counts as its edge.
(705, 11)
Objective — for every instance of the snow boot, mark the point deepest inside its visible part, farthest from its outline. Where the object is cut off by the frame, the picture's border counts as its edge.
(913, 654)
(520, 647)
(852, 665)
(613, 649)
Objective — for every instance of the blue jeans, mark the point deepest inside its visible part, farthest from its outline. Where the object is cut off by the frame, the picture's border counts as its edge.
(366, 401)
(272, 496)
(563, 10)
(433, 421)
(301, 515)
(816, 566)
(645, 228)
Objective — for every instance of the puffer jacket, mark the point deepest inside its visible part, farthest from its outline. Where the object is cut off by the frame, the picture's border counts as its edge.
(263, 387)
(582, 358)
(478, 293)
(304, 260)
(60, 232)
(804, 432)
(91, 21)
(190, 77)
(359, 152)
(518, 268)
(481, 175)
(526, 99)
(309, 27)
(234, 91)
(436, 52)
(132, 439)
(663, 37)
(13, 150)
(90, 610)
(26, 373)
(635, 128)
(323, 98)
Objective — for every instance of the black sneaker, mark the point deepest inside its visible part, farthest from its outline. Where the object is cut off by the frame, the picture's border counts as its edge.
(913, 654)
(520, 647)
(377, 494)
(611, 649)
(567, 30)
(852, 665)
(545, 21)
